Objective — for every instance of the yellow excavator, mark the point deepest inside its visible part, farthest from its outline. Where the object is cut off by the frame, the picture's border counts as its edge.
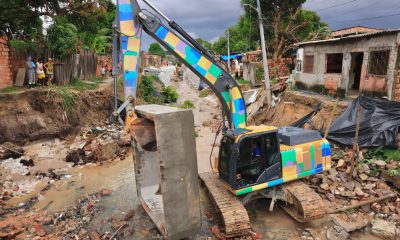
(253, 161)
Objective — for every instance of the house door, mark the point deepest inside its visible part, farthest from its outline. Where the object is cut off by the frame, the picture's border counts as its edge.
(355, 73)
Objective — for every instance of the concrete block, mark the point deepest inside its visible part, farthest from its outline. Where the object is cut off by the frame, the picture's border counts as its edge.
(166, 176)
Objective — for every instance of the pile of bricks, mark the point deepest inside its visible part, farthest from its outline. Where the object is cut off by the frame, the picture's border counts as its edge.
(280, 67)
(5, 70)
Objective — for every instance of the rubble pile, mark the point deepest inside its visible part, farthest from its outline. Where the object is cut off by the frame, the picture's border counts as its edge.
(366, 184)
(70, 223)
(99, 145)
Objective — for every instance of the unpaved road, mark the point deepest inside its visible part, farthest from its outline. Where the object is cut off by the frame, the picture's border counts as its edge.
(205, 109)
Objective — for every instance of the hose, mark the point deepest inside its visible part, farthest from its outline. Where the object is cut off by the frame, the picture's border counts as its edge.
(215, 139)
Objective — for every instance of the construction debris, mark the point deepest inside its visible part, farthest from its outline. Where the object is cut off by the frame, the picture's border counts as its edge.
(69, 223)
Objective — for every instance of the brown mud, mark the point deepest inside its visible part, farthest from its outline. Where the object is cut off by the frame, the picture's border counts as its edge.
(295, 105)
(40, 113)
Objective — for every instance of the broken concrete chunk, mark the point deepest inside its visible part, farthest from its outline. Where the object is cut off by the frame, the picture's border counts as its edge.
(350, 223)
(341, 163)
(343, 176)
(349, 185)
(380, 163)
(359, 192)
(362, 168)
(330, 197)
(325, 186)
(384, 229)
(363, 176)
(333, 234)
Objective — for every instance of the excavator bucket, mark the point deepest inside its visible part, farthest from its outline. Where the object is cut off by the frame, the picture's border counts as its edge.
(166, 169)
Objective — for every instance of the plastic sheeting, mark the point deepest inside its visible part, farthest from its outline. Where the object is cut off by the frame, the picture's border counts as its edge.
(379, 123)
(237, 56)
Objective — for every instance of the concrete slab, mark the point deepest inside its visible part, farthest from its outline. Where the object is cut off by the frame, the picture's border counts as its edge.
(166, 176)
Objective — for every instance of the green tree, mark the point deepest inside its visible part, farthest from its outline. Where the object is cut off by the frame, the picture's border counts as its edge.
(63, 37)
(243, 37)
(156, 49)
(19, 20)
(92, 19)
(207, 45)
(286, 24)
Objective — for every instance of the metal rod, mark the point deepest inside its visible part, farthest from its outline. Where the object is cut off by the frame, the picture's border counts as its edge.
(360, 204)
(264, 54)
(229, 53)
(115, 71)
(158, 11)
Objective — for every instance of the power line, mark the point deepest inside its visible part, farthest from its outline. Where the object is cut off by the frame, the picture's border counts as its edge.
(358, 9)
(345, 3)
(371, 18)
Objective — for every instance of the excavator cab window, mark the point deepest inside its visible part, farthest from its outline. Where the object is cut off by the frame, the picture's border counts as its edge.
(258, 155)
(225, 158)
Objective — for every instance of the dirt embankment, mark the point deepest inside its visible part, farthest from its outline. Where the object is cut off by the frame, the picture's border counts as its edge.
(48, 113)
(295, 105)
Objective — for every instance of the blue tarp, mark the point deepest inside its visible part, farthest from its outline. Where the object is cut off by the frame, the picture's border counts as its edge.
(237, 56)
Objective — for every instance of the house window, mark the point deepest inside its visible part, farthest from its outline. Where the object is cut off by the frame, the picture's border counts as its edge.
(378, 62)
(334, 63)
(308, 65)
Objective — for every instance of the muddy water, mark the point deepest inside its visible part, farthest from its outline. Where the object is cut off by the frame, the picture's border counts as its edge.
(116, 176)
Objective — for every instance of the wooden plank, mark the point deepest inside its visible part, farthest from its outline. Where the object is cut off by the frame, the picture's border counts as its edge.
(20, 79)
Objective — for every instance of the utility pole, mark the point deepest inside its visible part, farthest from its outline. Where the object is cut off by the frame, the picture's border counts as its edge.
(229, 53)
(264, 54)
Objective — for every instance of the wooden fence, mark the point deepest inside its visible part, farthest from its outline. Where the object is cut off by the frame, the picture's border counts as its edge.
(82, 66)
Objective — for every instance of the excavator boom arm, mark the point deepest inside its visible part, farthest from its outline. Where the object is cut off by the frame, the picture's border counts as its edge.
(195, 58)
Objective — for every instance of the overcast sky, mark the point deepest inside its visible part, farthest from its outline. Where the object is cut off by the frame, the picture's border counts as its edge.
(209, 18)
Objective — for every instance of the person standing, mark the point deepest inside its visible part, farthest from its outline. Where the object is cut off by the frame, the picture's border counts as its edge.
(40, 72)
(30, 70)
(103, 71)
(236, 62)
(49, 66)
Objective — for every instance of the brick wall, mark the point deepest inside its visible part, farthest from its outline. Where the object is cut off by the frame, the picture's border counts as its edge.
(5, 70)
(397, 88)
(17, 60)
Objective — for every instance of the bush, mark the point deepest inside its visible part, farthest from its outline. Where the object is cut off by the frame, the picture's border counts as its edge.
(171, 95)
(259, 75)
(243, 82)
(205, 92)
(156, 49)
(188, 104)
(146, 86)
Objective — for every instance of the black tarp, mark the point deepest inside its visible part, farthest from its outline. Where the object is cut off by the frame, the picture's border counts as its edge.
(379, 123)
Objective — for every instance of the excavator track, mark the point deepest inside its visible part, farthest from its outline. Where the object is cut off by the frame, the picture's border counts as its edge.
(234, 214)
(302, 202)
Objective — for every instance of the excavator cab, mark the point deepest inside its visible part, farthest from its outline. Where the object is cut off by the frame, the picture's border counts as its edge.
(249, 158)
(259, 157)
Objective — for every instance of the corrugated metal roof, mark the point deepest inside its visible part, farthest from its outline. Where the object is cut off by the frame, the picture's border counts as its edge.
(349, 37)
